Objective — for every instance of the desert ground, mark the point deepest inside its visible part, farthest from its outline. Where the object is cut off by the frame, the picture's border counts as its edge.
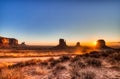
(59, 64)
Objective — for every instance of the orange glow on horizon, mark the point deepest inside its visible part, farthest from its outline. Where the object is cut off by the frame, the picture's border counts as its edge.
(87, 43)
(95, 42)
(68, 43)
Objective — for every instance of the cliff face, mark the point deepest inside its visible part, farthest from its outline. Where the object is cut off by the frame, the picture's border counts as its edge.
(8, 41)
(4, 40)
(13, 41)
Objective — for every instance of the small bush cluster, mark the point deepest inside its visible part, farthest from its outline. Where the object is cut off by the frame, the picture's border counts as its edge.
(87, 75)
(78, 64)
(83, 75)
(54, 63)
(45, 63)
(117, 68)
(64, 58)
(94, 62)
(76, 58)
(94, 54)
(58, 68)
(114, 58)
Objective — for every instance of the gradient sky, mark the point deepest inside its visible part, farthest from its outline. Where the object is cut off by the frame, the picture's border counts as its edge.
(44, 22)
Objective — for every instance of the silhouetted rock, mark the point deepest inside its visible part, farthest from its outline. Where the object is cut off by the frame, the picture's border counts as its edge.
(61, 45)
(77, 44)
(23, 44)
(101, 44)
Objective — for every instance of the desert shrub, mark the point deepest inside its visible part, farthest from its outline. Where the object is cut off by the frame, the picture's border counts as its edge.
(104, 54)
(20, 64)
(50, 59)
(117, 68)
(76, 58)
(44, 63)
(93, 62)
(87, 75)
(94, 54)
(86, 55)
(64, 58)
(53, 63)
(75, 68)
(76, 74)
(38, 71)
(11, 74)
(77, 64)
(58, 68)
(114, 58)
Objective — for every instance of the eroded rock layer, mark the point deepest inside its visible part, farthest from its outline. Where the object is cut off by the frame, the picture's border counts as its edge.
(6, 42)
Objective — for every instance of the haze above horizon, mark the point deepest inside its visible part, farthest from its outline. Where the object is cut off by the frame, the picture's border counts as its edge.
(44, 22)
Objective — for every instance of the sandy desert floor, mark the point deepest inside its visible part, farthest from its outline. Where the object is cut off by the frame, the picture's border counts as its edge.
(92, 65)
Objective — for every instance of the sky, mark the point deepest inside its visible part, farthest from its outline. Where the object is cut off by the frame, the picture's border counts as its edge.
(44, 22)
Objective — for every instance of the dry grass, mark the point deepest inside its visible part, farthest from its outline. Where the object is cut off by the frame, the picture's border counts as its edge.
(84, 75)
(11, 74)
(13, 53)
(87, 66)
(94, 62)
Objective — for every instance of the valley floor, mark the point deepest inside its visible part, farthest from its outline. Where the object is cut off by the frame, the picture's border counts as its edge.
(94, 65)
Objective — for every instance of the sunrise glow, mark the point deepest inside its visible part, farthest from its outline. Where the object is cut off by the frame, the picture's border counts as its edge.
(94, 43)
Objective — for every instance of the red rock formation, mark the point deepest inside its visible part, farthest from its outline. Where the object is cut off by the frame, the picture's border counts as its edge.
(6, 42)
(13, 42)
(77, 44)
(101, 44)
(61, 45)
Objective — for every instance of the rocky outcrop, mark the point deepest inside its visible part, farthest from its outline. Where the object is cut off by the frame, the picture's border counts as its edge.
(13, 41)
(23, 44)
(77, 44)
(101, 44)
(61, 45)
(6, 42)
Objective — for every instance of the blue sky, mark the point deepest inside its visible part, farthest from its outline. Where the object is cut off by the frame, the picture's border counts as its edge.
(43, 23)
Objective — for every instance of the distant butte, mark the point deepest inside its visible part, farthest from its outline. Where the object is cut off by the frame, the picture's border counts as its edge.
(61, 45)
(77, 45)
(12, 42)
(7, 42)
(101, 44)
